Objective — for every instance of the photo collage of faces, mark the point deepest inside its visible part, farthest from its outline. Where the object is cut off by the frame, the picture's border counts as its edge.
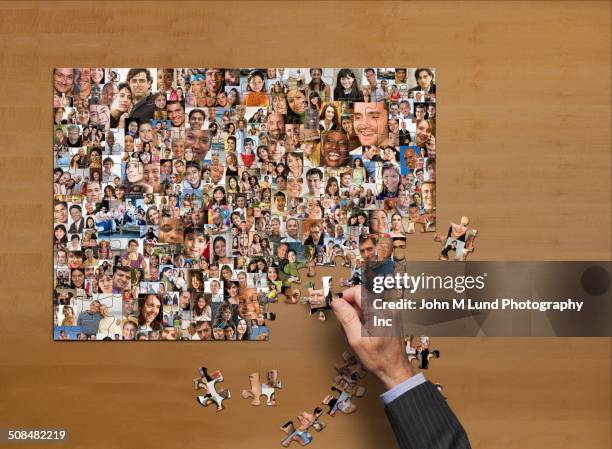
(187, 200)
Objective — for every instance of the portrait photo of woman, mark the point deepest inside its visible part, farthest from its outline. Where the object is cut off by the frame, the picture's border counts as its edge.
(150, 317)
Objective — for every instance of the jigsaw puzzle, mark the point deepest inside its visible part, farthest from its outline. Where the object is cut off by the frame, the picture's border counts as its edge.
(215, 181)
(267, 389)
(208, 383)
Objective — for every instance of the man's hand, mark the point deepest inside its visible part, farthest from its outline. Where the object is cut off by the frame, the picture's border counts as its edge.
(385, 357)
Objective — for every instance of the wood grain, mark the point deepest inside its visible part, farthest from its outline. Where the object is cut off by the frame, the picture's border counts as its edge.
(524, 150)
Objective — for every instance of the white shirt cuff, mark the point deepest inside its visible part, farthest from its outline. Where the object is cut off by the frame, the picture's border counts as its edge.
(402, 388)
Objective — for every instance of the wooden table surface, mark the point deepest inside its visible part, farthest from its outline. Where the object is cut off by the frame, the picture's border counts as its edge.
(524, 150)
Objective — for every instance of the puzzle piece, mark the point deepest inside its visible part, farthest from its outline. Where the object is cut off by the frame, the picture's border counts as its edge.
(207, 382)
(418, 349)
(320, 299)
(351, 366)
(316, 302)
(469, 243)
(268, 389)
(343, 402)
(301, 434)
(459, 239)
(348, 385)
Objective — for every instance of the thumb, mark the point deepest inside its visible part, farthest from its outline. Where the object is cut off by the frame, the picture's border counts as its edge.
(348, 317)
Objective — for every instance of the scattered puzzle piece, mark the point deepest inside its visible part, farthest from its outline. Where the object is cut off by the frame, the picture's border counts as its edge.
(469, 243)
(301, 434)
(344, 389)
(207, 382)
(459, 239)
(342, 402)
(351, 366)
(268, 389)
(348, 385)
(418, 349)
(345, 385)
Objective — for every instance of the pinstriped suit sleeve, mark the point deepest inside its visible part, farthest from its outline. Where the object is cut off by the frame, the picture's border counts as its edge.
(421, 419)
